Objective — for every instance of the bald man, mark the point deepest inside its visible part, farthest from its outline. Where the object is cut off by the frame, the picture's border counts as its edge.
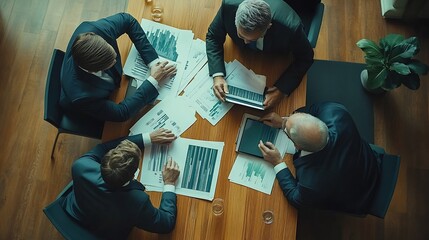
(335, 168)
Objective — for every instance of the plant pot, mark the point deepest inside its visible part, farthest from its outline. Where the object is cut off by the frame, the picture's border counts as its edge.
(364, 81)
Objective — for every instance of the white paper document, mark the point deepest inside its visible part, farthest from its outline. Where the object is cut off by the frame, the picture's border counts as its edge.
(198, 161)
(253, 172)
(200, 93)
(171, 44)
(196, 59)
(173, 113)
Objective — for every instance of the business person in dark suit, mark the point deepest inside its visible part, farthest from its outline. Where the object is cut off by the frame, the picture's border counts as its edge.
(335, 168)
(108, 201)
(267, 26)
(92, 69)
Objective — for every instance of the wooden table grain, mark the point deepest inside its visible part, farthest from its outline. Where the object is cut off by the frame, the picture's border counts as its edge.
(242, 217)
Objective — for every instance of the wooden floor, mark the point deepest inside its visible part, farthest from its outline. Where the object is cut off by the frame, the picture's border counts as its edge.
(29, 180)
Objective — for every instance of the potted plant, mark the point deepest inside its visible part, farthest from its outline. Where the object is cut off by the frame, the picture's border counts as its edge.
(390, 64)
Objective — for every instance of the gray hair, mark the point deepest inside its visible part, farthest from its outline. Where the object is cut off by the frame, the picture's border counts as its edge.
(309, 132)
(253, 15)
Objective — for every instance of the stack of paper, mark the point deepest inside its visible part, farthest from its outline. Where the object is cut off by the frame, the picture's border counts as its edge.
(198, 161)
(196, 60)
(200, 93)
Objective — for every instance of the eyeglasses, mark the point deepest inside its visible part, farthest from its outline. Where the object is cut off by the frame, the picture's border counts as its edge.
(284, 127)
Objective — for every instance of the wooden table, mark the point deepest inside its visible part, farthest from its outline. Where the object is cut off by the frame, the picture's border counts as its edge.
(242, 217)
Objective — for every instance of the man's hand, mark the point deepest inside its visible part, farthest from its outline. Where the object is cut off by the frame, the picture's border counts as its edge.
(272, 119)
(162, 136)
(170, 172)
(220, 88)
(161, 71)
(270, 153)
(272, 97)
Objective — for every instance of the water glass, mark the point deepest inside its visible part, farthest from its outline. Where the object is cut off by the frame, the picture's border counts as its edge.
(268, 216)
(217, 206)
(157, 12)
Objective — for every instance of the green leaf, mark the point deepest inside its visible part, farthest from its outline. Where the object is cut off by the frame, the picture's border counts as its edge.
(406, 49)
(393, 80)
(370, 48)
(400, 68)
(412, 81)
(413, 41)
(376, 77)
(373, 61)
(418, 67)
(389, 41)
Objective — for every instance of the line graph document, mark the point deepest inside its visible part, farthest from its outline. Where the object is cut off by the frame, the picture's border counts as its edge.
(171, 44)
(198, 161)
(253, 172)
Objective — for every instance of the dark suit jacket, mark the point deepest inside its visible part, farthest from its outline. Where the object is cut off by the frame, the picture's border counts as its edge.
(113, 213)
(340, 177)
(89, 94)
(285, 35)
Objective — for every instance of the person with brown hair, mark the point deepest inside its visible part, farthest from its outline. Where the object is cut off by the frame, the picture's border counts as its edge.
(108, 201)
(92, 69)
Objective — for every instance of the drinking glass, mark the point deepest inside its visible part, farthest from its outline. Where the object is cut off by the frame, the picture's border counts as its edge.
(157, 11)
(268, 216)
(217, 206)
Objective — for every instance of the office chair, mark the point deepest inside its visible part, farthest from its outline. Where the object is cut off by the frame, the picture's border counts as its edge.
(389, 170)
(53, 113)
(311, 14)
(65, 224)
(312, 21)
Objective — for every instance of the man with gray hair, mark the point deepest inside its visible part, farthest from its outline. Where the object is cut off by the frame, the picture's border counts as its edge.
(335, 168)
(269, 26)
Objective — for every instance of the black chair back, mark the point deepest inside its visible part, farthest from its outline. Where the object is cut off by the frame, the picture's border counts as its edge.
(53, 112)
(63, 222)
(386, 185)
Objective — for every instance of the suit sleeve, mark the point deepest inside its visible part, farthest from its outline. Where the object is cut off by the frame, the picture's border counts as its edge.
(108, 110)
(121, 23)
(215, 39)
(98, 152)
(161, 220)
(296, 194)
(302, 60)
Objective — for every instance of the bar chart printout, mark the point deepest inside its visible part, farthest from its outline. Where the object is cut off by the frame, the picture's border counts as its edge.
(164, 42)
(199, 163)
(253, 172)
(152, 166)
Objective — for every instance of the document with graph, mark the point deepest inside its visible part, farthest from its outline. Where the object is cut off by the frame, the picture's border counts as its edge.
(173, 113)
(200, 94)
(245, 87)
(198, 161)
(171, 44)
(252, 130)
(253, 172)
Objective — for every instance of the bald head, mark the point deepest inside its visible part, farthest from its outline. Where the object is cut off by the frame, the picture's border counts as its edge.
(307, 132)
